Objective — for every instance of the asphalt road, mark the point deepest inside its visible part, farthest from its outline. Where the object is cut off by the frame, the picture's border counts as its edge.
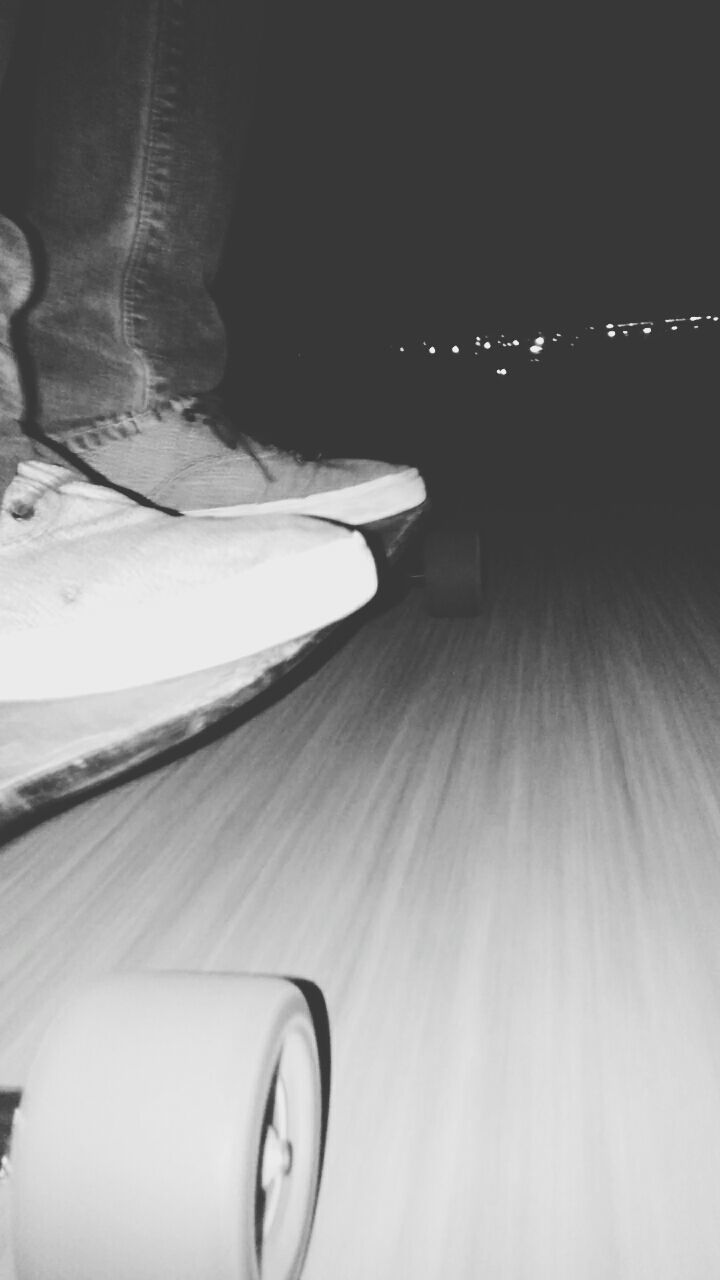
(495, 845)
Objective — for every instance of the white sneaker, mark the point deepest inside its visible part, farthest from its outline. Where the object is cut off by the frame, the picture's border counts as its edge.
(183, 454)
(98, 593)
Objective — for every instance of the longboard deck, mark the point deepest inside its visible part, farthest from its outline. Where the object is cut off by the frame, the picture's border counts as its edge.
(52, 752)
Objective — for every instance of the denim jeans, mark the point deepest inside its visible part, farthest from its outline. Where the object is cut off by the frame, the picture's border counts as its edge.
(142, 111)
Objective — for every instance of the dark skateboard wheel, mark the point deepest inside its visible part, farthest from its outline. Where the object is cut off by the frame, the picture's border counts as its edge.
(453, 573)
(170, 1129)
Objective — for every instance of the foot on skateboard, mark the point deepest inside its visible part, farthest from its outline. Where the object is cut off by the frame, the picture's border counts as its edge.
(126, 632)
(100, 593)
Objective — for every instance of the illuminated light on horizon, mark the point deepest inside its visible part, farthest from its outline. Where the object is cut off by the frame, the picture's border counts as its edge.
(502, 372)
(535, 346)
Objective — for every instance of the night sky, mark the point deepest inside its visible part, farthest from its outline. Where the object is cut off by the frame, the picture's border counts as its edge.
(479, 166)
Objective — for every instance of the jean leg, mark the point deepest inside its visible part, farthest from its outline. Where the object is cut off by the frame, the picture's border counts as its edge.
(15, 286)
(142, 114)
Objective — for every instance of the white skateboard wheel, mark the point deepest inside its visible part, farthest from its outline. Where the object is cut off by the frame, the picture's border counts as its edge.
(170, 1129)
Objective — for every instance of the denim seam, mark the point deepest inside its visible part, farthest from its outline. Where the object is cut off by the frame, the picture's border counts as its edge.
(101, 433)
(129, 293)
(154, 189)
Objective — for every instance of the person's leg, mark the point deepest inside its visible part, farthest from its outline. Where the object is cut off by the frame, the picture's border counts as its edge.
(15, 285)
(98, 592)
(143, 106)
(143, 109)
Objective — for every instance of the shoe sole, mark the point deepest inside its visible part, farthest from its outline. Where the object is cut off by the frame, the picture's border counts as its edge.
(378, 499)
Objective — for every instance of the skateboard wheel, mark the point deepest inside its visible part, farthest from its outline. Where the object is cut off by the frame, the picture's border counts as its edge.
(452, 569)
(170, 1129)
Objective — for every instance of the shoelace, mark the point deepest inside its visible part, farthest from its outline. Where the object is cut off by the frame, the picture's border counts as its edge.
(206, 408)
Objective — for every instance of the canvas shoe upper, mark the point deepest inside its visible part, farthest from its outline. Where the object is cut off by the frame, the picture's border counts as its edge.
(181, 455)
(98, 593)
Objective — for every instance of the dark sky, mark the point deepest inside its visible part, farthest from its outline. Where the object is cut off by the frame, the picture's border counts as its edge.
(483, 163)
